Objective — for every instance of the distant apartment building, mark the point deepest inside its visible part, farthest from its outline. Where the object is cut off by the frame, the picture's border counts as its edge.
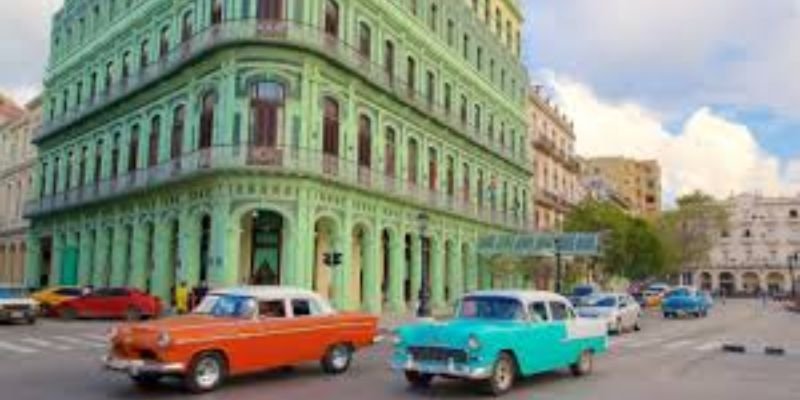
(8, 109)
(556, 179)
(751, 253)
(17, 156)
(638, 183)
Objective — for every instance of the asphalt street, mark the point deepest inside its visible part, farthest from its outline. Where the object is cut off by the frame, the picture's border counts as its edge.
(668, 359)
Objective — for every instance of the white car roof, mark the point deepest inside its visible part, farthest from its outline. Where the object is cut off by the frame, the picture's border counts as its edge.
(274, 292)
(526, 296)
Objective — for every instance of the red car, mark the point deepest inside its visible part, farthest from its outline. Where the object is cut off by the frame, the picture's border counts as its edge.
(131, 304)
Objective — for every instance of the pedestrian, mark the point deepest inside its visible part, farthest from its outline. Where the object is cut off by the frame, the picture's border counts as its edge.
(199, 293)
(182, 298)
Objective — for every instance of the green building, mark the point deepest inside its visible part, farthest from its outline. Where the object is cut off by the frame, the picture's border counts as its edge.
(238, 141)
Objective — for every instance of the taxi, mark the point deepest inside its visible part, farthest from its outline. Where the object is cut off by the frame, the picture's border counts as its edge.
(51, 297)
(498, 336)
(240, 331)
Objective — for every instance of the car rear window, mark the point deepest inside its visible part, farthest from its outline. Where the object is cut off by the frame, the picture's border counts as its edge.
(68, 292)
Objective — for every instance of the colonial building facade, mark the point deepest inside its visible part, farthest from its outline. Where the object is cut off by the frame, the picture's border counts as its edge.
(17, 156)
(638, 182)
(248, 141)
(556, 179)
(752, 253)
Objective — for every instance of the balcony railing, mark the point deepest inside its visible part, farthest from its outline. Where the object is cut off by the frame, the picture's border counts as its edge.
(282, 161)
(283, 33)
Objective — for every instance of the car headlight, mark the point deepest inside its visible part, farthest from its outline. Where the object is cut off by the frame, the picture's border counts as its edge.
(164, 340)
(396, 339)
(473, 343)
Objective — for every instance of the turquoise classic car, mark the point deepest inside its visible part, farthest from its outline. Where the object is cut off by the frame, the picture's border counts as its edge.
(497, 336)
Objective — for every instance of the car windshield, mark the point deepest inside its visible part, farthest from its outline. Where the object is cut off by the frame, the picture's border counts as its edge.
(678, 293)
(601, 301)
(491, 307)
(227, 306)
(13, 293)
(582, 291)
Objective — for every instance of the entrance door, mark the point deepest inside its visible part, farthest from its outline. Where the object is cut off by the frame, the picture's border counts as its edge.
(69, 266)
(265, 260)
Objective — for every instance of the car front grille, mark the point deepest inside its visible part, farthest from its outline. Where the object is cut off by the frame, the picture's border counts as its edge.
(16, 307)
(438, 354)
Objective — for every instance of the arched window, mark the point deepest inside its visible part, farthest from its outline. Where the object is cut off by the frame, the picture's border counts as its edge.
(153, 141)
(56, 168)
(411, 77)
(433, 170)
(144, 57)
(330, 128)
(126, 61)
(178, 124)
(43, 180)
(364, 142)
(68, 170)
(390, 151)
(412, 160)
(331, 18)
(266, 113)
(388, 59)
(115, 155)
(98, 160)
(451, 176)
(465, 187)
(207, 120)
(216, 12)
(269, 9)
(477, 118)
(133, 149)
(434, 17)
(163, 44)
(187, 26)
(364, 40)
(82, 157)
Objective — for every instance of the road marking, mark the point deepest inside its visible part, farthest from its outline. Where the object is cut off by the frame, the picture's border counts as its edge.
(678, 344)
(45, 344)
(78, 341)
(16, 348)
(93, 336)
(645, 343)
(708, 346)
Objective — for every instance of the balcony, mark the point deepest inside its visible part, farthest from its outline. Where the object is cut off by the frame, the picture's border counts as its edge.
(288, 34)
(288, 162)
(551, 199)
(549, 147)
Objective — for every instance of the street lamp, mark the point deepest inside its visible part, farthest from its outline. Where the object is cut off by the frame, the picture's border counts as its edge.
(557, 246)
(424, 310)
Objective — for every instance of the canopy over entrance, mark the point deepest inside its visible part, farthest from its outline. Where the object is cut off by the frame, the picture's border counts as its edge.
(576, 244)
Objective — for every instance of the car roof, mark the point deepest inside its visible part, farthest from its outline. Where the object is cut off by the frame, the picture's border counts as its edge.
(524, 295)
(267, 291)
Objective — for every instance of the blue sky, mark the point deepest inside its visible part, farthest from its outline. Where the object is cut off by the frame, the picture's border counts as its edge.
(707, 87)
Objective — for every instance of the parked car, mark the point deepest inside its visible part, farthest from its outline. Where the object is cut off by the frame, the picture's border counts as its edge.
(115, 302)
(619, 311)
(498, 336)
(582, 292)
(51, 297)
(685, 300)
(654, 294)
(239, 331)
(17, 306)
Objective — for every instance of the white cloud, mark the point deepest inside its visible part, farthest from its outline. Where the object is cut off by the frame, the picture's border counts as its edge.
(709, 153)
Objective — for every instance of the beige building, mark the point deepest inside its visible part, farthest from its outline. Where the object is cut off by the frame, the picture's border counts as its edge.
(8, 109)
(556, 178)
(751, 254)
(17, 155)
(637, 182)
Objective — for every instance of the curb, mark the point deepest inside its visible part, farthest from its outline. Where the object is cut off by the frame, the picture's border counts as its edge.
(742, 349)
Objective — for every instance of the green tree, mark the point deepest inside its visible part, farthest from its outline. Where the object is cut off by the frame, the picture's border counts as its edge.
(632, 247)
(688, 232)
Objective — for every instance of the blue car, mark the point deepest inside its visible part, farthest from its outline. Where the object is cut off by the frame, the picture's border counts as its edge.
(685, 301)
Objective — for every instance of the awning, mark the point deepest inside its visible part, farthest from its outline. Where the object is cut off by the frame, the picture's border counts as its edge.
(577, 244)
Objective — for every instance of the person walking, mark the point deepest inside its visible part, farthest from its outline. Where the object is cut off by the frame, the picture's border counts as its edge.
(182, 298)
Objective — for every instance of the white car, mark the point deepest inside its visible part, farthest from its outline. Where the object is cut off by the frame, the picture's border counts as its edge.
(15, 305)
(619, 310)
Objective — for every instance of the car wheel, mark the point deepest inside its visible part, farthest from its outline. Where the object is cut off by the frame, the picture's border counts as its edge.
(667, 315)
(69, 313)
(206, 372)
(337, 359)
(30, 320)
(636, 326)
(418, 379)
(584, 364)
(133, 314)
(146, 381)
(503, 375)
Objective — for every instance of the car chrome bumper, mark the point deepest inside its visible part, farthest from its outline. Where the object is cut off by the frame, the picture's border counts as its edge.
(448, 369)
(136, 367)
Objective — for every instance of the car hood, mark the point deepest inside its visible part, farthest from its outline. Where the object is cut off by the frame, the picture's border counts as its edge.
(453, 333)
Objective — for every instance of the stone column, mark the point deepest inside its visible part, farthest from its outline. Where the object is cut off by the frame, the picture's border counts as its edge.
(139, 257)
(101, 271)
(33, 259)
(85, 257)
(372, 271)
(397, 272)
(224, 265)
(120, 259)
(189, 249)
(57, 255)
(436, 271)
(455, 274)
(73, 244)
(304, 252)
(161, 279)
(342, 298)
(416, 266)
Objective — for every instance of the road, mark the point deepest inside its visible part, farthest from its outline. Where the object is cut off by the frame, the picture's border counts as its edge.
(669, 359)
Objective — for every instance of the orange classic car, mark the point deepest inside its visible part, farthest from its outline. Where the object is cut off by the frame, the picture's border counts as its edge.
(240, 331)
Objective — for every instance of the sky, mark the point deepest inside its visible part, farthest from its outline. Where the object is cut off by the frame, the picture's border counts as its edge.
(706, 87)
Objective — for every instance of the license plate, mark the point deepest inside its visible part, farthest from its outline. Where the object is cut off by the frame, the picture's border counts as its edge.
(17, 314)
